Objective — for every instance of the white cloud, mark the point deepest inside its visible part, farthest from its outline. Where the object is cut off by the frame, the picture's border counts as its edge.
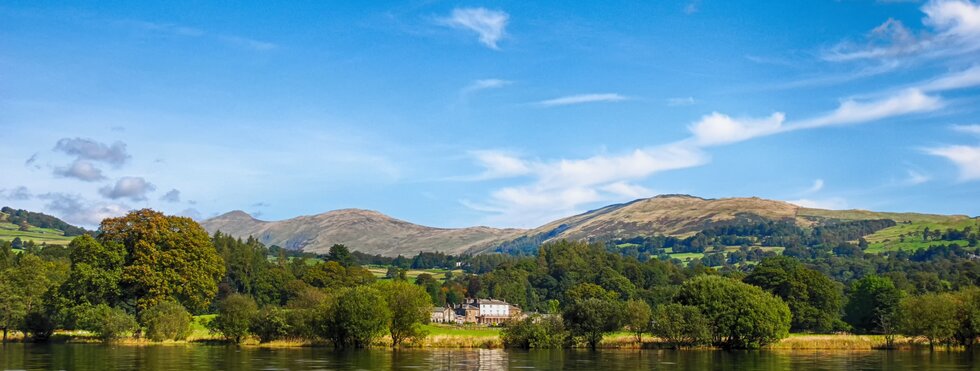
(184, 31)
(816, 187)
(956, 80)
(967, 129)
(954, 18)
(833, 203)
(490, 25)
(915, 178)
(81, 170)
(582, 98)
(717, 128)
(499, 164)
(485, 84)
(966, 159)
(629, 190)
(686, 101)
(953, 29)
(851, 111)
(133, 188)
(564, 186)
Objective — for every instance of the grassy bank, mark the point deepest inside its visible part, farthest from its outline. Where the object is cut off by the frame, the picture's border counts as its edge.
(443, 336)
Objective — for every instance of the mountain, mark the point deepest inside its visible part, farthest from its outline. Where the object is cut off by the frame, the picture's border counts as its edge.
(366, 231)
(684, 215)
(671, 215)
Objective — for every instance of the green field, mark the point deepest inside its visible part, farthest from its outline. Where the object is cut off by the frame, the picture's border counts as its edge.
(439, 274)
(889, 239)
(10, 231)
(474, 331)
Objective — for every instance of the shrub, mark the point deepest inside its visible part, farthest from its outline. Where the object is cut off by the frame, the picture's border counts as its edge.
(235, 315)
(932, 316)
(270, 324)
(106, 322)
(354, 318)
(739, 315)
(536, 332)
(167, 320)
(680, 325)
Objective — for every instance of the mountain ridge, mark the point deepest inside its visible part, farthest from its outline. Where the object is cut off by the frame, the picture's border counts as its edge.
(678, 215)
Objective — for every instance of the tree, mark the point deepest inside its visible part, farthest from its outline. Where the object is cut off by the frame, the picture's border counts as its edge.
(271, 323)
(969, 315)
(932, 316)
(106, 322)
(739, 315)
(354, 318)
(871, 299)
(12, 308)
(592, 313)
(234, 319)
(638, 318)
(167, 320)
(340, 254)
(680, 325)
(167, 257)
(96, 270)
(409, 307)
(813, 298)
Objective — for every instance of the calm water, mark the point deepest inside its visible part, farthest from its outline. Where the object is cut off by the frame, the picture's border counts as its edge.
(201, 357)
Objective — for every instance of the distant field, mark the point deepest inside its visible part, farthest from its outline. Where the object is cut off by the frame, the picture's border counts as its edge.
(412, 274)
(9, 231)
(888, 239)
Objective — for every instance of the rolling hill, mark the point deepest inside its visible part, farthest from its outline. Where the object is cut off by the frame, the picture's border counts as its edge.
(40, 228)
(670, 215)
(366, 231)
(684, 215)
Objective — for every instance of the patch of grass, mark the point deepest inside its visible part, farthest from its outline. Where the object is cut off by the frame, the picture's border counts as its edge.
(412, 274)
(473, 331)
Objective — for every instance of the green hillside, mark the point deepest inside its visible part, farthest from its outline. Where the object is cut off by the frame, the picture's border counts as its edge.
(40, 228)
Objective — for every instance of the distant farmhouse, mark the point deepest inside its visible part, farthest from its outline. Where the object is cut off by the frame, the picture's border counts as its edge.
(479, 311)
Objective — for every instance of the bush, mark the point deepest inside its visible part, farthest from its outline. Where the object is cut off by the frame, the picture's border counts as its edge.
(167, 320)
(354, 318)
(591, 318)
(38, 325)
(740, 316)
(680, 325)
(271, 323)
(235, 315)
(536, 332)
(106, 322)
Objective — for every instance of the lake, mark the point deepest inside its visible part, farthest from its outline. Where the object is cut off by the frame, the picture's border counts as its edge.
(205, 357)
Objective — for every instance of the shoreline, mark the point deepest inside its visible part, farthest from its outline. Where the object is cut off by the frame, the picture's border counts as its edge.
(492, 340)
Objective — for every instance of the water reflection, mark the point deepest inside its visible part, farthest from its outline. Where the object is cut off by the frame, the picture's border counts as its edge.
(202, 357)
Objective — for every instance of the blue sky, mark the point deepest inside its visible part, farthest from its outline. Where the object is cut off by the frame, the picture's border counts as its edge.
(494, 113)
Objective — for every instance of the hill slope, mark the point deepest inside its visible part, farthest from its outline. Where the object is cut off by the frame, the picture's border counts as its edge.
(39, 227)
(683, 215)
(362, 230)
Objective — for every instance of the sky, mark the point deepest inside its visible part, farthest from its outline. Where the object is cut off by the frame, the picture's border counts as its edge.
(507, 114)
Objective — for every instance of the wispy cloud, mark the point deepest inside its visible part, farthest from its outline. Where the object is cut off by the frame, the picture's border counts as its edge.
(833, 203)
(20, 193)
(915, 178)
(485, 84)
(186, 31)
(953, 29)
(967, 129)
(852, 111)
(581, 99)
(490, 25)
(816, 187)
(76, 210)
(81, 170)
(966, 158)
(717, 128)
(686, 101)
